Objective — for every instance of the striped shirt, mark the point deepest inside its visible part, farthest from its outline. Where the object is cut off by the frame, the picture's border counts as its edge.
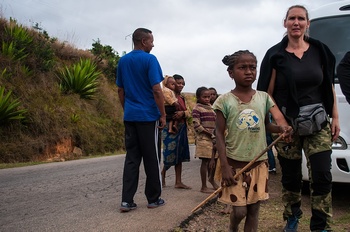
(203, 118)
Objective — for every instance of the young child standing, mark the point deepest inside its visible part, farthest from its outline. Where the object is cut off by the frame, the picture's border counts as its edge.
(170, 102)
(204, 125)
(243, 112)
(214, 155)
(213, 95)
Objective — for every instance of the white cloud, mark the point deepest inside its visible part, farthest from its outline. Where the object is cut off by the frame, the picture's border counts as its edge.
(191, 37)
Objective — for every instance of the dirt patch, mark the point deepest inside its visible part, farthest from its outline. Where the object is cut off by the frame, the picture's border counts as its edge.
(210, 218)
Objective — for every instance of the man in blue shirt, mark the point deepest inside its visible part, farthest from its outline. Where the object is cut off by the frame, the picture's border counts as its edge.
(138, 79)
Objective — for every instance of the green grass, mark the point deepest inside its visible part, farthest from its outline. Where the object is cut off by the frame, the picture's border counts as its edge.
(17, 165)
(25, 164)
(54, 123)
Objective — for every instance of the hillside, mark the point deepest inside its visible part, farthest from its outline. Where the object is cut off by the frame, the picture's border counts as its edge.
(56, 123)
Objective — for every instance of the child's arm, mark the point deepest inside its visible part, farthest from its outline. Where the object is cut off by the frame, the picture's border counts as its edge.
(226, 169)
(273, 128)
(205, 131)
(213, 153)
(197, 125)
(282, 124)
(278, 116)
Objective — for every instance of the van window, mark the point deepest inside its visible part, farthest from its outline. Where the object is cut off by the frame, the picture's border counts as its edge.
(334, 32)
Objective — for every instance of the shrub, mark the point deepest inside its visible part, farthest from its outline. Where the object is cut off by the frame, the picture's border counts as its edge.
(9, 50)
(8, 108)
(81, 78)
(15, 42)
(107, 58)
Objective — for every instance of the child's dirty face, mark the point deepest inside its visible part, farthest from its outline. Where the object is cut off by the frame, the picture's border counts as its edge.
(213, 95)
(244, 71)
(171, 84)
(205, 97)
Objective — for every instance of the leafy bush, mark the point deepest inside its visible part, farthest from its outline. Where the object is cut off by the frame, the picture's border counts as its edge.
(81, 78)
(107, 57)
(55, 123)
(8, 108)
(15, 41)
(9, 50)
(42, 51)
(33, 50)
(74, 118)
(43, 54)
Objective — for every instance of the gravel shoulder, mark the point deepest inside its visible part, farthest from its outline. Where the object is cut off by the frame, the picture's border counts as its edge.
(210, 218)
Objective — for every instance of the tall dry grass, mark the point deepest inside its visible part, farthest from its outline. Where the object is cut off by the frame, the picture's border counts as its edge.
(56, 123)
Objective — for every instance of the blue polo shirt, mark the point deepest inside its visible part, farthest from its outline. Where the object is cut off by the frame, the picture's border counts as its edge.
(137, 73)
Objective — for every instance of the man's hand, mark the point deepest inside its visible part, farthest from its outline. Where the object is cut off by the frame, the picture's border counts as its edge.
(162, 122)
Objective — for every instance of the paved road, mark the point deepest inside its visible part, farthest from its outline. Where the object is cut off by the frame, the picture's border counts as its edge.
(84, 195)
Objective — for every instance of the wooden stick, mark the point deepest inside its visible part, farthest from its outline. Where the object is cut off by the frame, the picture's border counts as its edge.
(239, 173)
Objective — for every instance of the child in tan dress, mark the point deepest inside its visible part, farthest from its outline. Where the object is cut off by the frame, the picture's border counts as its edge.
(204, 125)
(243, 113)
(170, 102)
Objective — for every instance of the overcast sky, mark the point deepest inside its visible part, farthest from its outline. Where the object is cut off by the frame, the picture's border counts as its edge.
(190, 36)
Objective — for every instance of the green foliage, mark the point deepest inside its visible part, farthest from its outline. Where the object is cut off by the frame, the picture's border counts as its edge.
(19, 45)
(4, 73)
(75, 118)
(15, 42)
(81, 78)
(9, 50)
(55, 123)
(18, 34)
(106, 55)
(26, 71)
(8, 108)
(44, 55)
(41, 31)
(42, 50)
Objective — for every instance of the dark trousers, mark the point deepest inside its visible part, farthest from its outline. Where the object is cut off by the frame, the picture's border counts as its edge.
(141, 143)
(320, 187)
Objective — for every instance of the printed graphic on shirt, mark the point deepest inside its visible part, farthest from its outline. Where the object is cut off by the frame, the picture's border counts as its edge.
(248, 119)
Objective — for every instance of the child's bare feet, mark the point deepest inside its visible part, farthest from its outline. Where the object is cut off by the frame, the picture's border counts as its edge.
(182, 186)
(206, 190)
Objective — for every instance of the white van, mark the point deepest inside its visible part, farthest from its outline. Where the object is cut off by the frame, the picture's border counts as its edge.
(331, 25)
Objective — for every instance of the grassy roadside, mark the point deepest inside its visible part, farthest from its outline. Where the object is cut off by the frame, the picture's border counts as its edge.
(24, 164)
(210, 217)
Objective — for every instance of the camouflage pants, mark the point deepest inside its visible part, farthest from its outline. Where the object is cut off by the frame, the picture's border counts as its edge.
(317, 150)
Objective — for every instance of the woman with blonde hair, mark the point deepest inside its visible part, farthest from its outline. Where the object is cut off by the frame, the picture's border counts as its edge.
(298, 73)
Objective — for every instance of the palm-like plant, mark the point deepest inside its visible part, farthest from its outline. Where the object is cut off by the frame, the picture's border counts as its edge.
(9, 50)
(81, 78)
(8, 108)
(15, 41)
